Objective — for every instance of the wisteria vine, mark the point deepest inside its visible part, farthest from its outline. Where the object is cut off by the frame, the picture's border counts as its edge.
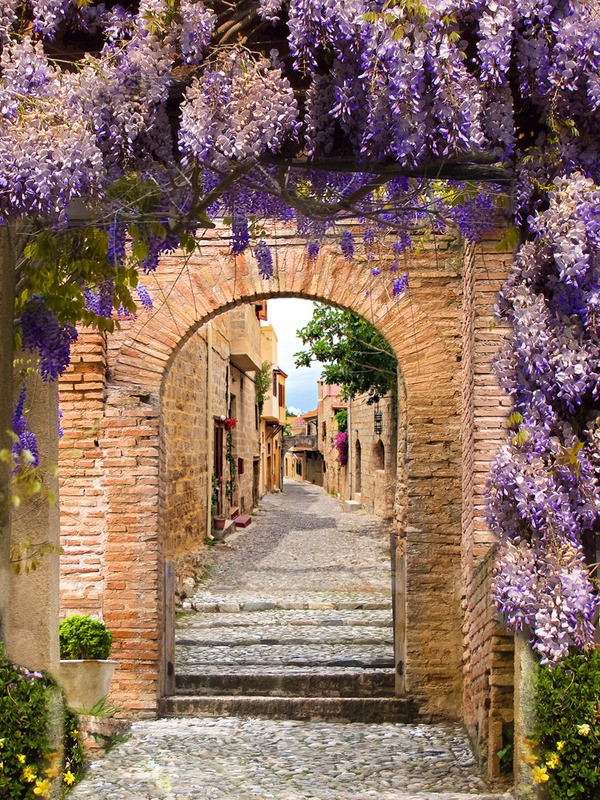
(381, 115)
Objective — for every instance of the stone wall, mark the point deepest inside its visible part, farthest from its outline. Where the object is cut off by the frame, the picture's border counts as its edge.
(185, 471)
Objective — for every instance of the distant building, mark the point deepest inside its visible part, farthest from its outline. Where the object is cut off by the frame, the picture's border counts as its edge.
(330, 403)
(369, 474)
(273, 418)
(303, 461)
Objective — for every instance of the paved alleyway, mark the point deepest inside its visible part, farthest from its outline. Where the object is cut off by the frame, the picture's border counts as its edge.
(299, 601)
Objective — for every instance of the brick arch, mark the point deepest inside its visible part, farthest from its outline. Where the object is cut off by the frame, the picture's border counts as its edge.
(189, 291)
(124, 377)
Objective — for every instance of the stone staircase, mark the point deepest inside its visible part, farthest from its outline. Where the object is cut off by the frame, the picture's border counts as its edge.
(333, 663)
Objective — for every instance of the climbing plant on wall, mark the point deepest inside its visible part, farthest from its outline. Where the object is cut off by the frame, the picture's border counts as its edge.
(128, 129)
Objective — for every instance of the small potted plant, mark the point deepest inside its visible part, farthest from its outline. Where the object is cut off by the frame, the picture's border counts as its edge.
(85, 669)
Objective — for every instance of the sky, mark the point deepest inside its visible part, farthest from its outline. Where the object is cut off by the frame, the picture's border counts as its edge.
(286, 316)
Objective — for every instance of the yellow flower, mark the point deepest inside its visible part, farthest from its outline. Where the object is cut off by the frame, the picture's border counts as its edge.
(42, 788)
(530, 758)
(74, 733)
(552, 760)
(540, 775)
(21, 758)
(69, 778)
(2, 742)
(584, 730)
(560, 745)
(29, 774)
(54, 764)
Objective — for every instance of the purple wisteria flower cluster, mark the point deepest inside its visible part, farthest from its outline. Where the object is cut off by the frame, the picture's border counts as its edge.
(544, 488)
(25, 440)
(45, 335)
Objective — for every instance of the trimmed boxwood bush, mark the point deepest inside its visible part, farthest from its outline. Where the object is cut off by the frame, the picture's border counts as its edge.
(84, 637)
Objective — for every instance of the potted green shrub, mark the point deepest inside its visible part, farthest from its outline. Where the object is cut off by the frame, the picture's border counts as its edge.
(85, 669)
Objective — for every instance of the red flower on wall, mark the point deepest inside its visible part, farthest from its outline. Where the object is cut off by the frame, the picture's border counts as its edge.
(230, 423)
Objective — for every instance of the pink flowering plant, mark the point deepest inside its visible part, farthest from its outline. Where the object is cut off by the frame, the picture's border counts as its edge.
(340, 443)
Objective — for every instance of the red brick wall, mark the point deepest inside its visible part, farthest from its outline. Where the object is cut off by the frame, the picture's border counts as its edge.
(82, 491)
(488, 655)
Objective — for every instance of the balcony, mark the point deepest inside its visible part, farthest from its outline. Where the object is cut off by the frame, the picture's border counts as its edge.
(244, 337)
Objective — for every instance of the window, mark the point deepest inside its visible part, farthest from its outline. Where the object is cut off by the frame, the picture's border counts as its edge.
(274, 383)
(281, 395)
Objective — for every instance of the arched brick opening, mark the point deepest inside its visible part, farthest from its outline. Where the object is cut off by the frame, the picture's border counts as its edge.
(110, 461)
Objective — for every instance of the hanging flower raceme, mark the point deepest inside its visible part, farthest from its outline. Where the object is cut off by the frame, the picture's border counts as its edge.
(241, 108)
(44, 334)
(264, 259)
(544, 488)
(25, 443)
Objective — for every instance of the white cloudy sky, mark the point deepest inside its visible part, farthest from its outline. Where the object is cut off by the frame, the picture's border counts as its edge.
(286, 316)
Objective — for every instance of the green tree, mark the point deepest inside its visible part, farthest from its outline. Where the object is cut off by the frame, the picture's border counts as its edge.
(262, 380)
(353, 353)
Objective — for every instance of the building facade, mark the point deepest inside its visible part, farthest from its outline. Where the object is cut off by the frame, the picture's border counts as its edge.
(303, 461)
(335, 467)
(273, 417)
(362, 466)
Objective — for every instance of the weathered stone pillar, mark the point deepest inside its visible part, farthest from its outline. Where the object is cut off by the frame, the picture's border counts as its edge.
(525, 664)
(32, 622)
(7, 283)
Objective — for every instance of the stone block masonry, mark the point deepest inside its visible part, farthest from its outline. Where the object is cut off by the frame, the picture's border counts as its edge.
(451, 415)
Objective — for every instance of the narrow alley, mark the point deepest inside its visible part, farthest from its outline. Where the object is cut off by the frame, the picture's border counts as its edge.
(285, 677)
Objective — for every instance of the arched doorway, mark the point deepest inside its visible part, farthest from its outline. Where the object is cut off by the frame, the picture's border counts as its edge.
(437, 529)
(357, 468)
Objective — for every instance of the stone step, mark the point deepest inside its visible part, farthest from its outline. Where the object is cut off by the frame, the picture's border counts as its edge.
(279, 639)
(364, 683)
(326, 656)
(338, 709)
(243, 520)
(295, 669)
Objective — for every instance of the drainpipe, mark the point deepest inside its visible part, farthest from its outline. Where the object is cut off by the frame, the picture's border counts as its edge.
(350, 453)
(210, 439)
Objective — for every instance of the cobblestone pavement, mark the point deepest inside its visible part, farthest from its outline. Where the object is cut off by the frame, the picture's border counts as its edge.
(303, 594)
(253, 759)
(301, 548)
